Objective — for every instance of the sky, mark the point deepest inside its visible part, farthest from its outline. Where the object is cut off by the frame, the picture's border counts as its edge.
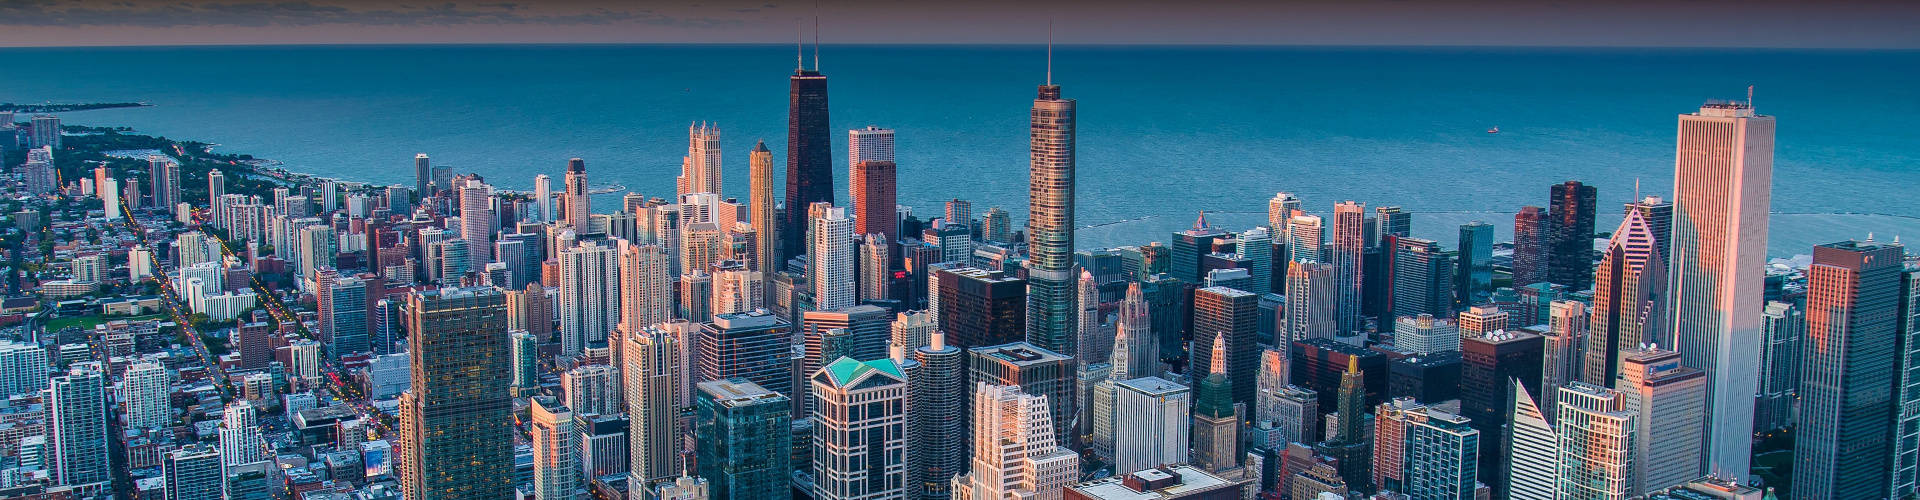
(1875, 24)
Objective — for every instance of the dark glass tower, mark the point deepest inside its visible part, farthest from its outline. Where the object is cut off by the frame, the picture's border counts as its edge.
(809, 156)
(1570, 248)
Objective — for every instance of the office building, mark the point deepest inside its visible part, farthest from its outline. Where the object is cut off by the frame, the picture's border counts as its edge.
(1051, 319)
(1531, 457)
(589, 295)
(556, 454)
(603, 445)
(1442, 456)
(1014, 452)
(1348, 443)
(1723, 169)
(422, 174)
(1421, 278)
(1849, 370)
(1348, 244)
(457, 430)
(1782, 327)
(645, 285)
(1133, 321)
(870, 182)
(1906, 441)
(1150, 424)
(1669, 402)
(577, 207)
(753, 346)
(653, 382)
(593, 390)
(743, 443)
(477, 223)
(809, 156)
(1230, 314)
(1320, 364)
(193, 472)
(1423, 334)
(1595, 446)
(1489, 364)
(1570, 211)
(860, 430)
(832, 257)
(700, 168)
(1311, 310)
(1473, 266)
(1532, 230)
(1216, 416)
(938, 418)
(1629, 293)
(977, 307)
(1037, 371)
(1481, 320)
(762, 209)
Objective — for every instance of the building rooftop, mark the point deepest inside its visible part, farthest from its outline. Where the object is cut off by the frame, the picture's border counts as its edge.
(738, 392)
(846, 370)
(1154, 386)
(1019, 353)
(1173, 481)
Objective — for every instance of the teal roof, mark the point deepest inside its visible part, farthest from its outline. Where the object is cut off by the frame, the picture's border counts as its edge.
(845, 371)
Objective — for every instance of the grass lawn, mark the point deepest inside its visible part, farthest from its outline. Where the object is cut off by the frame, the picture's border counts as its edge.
(87, 322)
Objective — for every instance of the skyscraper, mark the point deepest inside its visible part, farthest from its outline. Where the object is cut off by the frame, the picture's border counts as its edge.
(1305, 234)
(543, 198)
(556, 454)
(1906, 441)
(1216, 416)
(1348, 244)
(653, 376)
(1669, 402)
(1310, 303)
(1150, 424)
(1570, 239)
(1220, 312)
(477, 223)
(1014, 451)
(1421, 278)
(422, 174)
(144, 390)
(457, 419)
(77, 404)
(875, 250)
(1051, 321)
(1423, 334)
(1531, 231)
(1782, 328)
(833, 259)
(1481, 320)
(1533, 460)
(700, 169)
(1594, 459)
(977, 307)
(646, 288)
(859, 432)
(240, 440)
(753, 346)
(809, 156)
(1566, 333)
(1629, 293)
(760, 202)
(1489, 365)
(592, 390)
(1442, 456)
(193, 472)
(1348, 444)
(870, 182)
(1037, 371)
(1722, 178)
(578, 208)
(939, 418)
(589, 295)
(1849, 369)
(744, 439)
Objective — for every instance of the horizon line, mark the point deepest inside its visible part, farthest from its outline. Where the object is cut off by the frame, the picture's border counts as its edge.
(344, 44)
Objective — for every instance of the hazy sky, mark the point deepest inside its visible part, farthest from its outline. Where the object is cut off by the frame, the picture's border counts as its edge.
(1685, 23)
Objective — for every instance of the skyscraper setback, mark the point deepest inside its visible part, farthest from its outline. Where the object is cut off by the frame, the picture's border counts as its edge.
(577, 210)
(1051, 319)
(1722, 177)
(870, 182)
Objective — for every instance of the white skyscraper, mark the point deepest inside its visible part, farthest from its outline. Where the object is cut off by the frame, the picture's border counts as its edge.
(556, 453)
(874, 262)
(1533, 460)
(1014, 453)
(145, 390)
(1596, 430)
(833, 249)
(646, 288)
(859, 430)
(110, 197)
(589, 295)
(23, 368)
(700, 169)
(1280, 210)
(543, 198)
(240, 440)
(1722, 181)
(869, 144)
(1670, 402)
(77, 401)
(1150, 424)
(1310, 303)
(1304, 236)
(737, 290)
(653, 369)
(593, 390)
(476, 223)
(1565, 336)
(1425, 335)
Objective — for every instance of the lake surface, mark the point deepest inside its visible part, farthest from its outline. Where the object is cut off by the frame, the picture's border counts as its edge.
(1165, 132)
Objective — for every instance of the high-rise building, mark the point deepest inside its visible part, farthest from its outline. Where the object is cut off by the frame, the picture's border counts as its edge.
(646, 287)
(1531, 231)
(1629, 293)
(248, 481)
(343, 313)
(1310, 303)
(240, 439)
(593, 390)
(1722, 178)
(193, 472)
(1390, 421)
(1388, 222)
(860, 430)
(653, 380)
(1782, 327)
(1305, 236)
(1442, 456)
(477, 223)
(1489, 364)
(1849, 370)
(762, 208)
(163, 178)
(753, 346)
(1561, 360)
(556, 453)
(977, 307)
(1037, 371)
(1473, 267)
(77, 403)
(1570, 212)
(1150, 424)
(700, 169)
(870, 182)
(1216, 416)
(1348, 244)
(875, 262)
(577, 209)
(1424, 334)
(1014, 452)
(809, 156)
(145, 391)
(1481, 320)
(832, 259)
(1532, 456)
(1421, 278)
(1595, 446)
(422, 174)
(743, 439)
(1906, 441)
(1233, 315)
(542, 198)
(1051, 320)
(938, 418)
(1348, 443)
(1669, 402)
(589, 295)
(457, 419)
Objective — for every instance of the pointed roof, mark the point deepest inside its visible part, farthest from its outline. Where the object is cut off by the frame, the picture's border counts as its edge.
(1353, 364)
(1200, 224)
(845, 372)
(1220, 355)
(760, 146)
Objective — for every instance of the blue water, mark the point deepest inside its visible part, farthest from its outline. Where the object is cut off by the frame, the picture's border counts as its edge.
(1164, 132)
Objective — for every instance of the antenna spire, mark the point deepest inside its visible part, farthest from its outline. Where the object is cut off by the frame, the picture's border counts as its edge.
(1749, 97)
(816, 35)
(799, 42)
(1049, 52)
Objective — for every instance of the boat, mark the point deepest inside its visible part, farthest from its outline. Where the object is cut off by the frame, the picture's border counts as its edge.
(1494, 130)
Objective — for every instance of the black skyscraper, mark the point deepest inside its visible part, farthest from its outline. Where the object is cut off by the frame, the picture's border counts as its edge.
(1570, 242)
(809, 156)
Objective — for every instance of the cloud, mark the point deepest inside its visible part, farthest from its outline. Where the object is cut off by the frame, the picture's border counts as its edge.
(157, 14)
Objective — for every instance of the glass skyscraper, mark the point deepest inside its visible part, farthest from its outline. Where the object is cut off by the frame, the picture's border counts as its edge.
(743, 440)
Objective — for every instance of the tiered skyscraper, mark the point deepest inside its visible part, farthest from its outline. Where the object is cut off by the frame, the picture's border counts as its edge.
(1051, 319)
(1014, 452)
(700, 169)
(1722, 181)
(578, 209)
(809, 155)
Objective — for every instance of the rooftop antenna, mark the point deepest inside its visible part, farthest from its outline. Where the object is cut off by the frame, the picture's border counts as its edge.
(1049, 52)
(1749, 97)
(816, 36)
(799, 41)
(1636, 189)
